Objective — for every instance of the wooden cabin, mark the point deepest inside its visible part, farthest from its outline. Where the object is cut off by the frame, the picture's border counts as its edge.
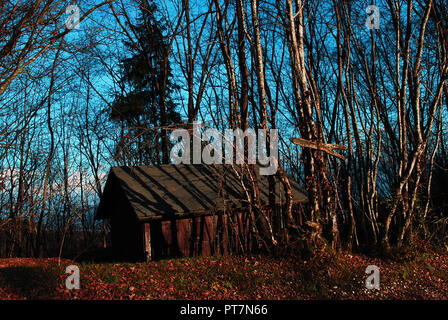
(179, 210)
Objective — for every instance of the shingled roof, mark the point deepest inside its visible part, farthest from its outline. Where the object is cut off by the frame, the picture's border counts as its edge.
(179, 190)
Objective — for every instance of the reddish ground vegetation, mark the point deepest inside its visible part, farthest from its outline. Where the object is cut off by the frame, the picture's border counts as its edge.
(325, 276)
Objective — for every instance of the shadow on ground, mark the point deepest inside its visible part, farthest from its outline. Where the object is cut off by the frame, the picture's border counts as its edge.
(31, 282)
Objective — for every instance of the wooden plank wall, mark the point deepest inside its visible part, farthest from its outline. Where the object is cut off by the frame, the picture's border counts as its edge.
(205, 235)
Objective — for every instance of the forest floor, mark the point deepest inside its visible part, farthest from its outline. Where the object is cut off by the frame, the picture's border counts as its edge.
(324, 276)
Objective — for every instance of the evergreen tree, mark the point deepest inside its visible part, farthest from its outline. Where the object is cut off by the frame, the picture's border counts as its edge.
(146, 108)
